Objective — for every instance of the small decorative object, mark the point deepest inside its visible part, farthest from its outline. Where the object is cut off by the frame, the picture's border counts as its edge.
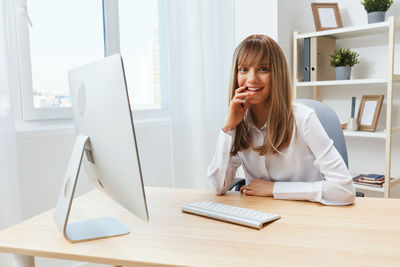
(376, 9)
(343, 60)
(369, 111)
(326, 16)
(352, 124)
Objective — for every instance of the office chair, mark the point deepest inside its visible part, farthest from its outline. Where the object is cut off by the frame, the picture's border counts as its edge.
(333, 128)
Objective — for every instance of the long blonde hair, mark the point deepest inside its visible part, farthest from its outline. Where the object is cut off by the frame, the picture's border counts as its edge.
(253, 51)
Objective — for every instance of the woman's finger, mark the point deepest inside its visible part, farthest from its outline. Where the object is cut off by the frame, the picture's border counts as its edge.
(240, 89)
(238, 102)
(249, 193)
(241, 95)
(244, 187)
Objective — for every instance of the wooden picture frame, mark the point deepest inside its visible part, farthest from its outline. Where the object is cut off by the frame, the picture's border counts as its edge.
(326, 16)
(369, 111)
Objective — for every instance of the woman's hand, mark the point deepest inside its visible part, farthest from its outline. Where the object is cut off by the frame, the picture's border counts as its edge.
(258, 187)
(237, 109)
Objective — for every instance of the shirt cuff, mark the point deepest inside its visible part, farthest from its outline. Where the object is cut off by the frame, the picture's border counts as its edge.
(224, 145)
(311, 191)
(231, 133)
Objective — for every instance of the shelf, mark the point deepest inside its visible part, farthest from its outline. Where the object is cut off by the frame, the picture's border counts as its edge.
(352, 32)
(377, 134)
(343, 82)
(377, 189)
(395, 130)
(395, 181)
(396, 77)
(371, 188)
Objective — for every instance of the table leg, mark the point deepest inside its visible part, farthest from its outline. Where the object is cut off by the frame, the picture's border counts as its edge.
(23, 261)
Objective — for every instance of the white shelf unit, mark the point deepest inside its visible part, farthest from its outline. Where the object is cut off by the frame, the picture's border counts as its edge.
(389, 28)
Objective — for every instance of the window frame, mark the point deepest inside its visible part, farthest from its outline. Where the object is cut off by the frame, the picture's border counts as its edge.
(111, 46)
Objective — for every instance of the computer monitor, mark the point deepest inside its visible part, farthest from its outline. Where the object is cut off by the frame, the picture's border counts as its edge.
(106, 145)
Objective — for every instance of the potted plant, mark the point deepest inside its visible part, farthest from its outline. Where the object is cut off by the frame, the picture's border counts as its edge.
(343, 60)
(376, 9)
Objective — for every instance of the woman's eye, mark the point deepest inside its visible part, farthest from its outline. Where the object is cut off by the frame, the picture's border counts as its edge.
(243, 69)
(264, 69)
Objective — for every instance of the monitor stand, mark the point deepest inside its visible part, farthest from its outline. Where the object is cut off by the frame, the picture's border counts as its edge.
(83, 230)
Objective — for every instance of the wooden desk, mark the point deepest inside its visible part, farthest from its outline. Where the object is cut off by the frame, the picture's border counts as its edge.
(367, 233)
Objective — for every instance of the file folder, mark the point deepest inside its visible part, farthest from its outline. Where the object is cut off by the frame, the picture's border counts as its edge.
(306, 69)
(320, 50)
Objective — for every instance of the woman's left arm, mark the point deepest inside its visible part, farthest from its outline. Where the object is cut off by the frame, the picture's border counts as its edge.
(337, 187)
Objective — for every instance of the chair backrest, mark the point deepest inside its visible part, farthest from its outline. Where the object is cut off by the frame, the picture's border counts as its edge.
(331, 124)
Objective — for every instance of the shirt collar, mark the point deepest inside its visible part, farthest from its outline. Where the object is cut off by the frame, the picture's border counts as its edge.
(249, 119)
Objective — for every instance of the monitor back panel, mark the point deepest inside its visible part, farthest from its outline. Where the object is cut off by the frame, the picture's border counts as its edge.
(101, 111)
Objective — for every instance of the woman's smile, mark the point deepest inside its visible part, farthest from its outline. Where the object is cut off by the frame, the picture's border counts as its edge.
(254, 89)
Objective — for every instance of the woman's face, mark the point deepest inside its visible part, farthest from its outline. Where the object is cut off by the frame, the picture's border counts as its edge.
(257, 79)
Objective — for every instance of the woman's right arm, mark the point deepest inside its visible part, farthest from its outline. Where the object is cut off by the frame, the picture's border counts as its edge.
(222, 170)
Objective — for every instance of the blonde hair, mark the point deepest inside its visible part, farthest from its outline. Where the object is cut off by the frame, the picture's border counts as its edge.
(254, 51)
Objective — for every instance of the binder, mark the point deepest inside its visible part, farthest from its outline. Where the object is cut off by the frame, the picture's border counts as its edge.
(306, 69)
(320, 50)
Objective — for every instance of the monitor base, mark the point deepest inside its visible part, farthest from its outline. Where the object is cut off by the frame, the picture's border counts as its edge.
(83, 230)
(95, 229)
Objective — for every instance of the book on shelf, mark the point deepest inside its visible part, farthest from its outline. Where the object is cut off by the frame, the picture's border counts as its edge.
(373, 177)
(375, 180)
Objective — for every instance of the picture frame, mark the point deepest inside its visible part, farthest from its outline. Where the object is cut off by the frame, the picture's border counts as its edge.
(369, 111)
(326, 16)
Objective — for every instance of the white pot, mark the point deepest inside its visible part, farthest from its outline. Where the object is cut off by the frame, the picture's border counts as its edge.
(377, 16)
(342, 73)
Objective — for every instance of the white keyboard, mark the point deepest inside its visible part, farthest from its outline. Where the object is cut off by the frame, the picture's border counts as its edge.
(247, 217)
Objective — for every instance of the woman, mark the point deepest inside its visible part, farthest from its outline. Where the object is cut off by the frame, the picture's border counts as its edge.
(283, 148)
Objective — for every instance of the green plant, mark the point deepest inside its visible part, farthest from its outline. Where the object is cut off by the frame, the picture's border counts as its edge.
(344, 57)
(376, 5)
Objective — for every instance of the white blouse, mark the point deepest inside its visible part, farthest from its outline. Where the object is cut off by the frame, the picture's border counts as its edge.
(309, 169)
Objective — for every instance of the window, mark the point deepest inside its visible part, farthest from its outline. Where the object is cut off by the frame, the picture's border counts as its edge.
(140, 50)
(62, 35)
(142, 44)
(66, 34)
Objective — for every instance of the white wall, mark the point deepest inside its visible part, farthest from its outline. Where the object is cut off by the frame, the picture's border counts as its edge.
(293, 16)
(277, 19)
(255, 16)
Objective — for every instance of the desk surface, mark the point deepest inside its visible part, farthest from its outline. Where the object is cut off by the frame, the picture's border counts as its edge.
(367, 233)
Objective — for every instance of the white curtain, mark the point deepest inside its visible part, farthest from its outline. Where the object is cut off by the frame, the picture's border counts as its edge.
(10, 212)
(201, 43)
(9, 194)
